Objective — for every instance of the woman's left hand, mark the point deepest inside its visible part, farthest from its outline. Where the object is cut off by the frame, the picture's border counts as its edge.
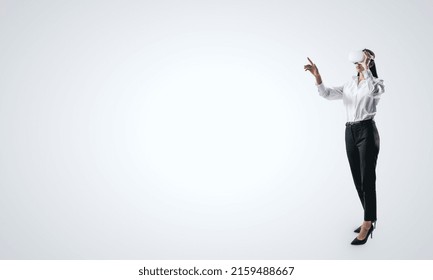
(366, 62)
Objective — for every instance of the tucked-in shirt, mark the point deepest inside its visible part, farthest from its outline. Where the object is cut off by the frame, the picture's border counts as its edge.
(360, 99)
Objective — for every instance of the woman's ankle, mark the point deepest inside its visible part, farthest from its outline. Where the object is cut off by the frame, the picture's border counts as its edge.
(367, 224)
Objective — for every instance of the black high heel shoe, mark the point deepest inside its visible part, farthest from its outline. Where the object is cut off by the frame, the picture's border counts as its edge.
(357, 241)
(358, 230)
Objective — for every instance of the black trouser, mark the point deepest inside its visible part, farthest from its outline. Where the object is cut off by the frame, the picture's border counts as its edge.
(362, 148)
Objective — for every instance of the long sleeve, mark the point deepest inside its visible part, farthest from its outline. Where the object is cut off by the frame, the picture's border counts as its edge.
(375, 85)
(332, 93)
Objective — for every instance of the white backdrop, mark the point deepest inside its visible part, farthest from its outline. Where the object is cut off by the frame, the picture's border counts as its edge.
(189, 129)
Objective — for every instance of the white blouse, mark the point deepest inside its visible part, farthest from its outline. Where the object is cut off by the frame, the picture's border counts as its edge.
(360, 100)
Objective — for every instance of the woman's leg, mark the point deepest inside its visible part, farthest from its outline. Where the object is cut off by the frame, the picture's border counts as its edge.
(354, 162)
(368, 146)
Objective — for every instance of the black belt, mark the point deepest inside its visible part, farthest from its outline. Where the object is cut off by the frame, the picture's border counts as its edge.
(359, 122)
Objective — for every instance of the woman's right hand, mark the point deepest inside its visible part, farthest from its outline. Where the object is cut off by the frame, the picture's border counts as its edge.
(312, 68)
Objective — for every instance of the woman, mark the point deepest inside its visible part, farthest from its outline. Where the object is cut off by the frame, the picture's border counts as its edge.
(360, 96)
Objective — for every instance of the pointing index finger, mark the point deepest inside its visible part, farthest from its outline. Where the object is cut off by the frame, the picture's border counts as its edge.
(310, 61)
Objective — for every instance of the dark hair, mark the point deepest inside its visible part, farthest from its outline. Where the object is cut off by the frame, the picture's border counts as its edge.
(372, 63)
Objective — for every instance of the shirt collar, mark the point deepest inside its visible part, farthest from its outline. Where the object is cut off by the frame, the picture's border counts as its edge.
(355, 77)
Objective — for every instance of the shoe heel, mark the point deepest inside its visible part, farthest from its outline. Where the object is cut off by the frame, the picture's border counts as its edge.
(373, 224)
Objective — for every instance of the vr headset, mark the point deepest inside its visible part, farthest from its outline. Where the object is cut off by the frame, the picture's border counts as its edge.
(358, 56)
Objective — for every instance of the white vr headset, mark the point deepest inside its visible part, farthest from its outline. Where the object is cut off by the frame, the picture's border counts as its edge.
(356, 56)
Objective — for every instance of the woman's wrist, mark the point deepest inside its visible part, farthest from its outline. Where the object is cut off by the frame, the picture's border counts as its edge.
(318, 79)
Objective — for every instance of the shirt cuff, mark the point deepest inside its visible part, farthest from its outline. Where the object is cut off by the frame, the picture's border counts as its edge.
(321, 87)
